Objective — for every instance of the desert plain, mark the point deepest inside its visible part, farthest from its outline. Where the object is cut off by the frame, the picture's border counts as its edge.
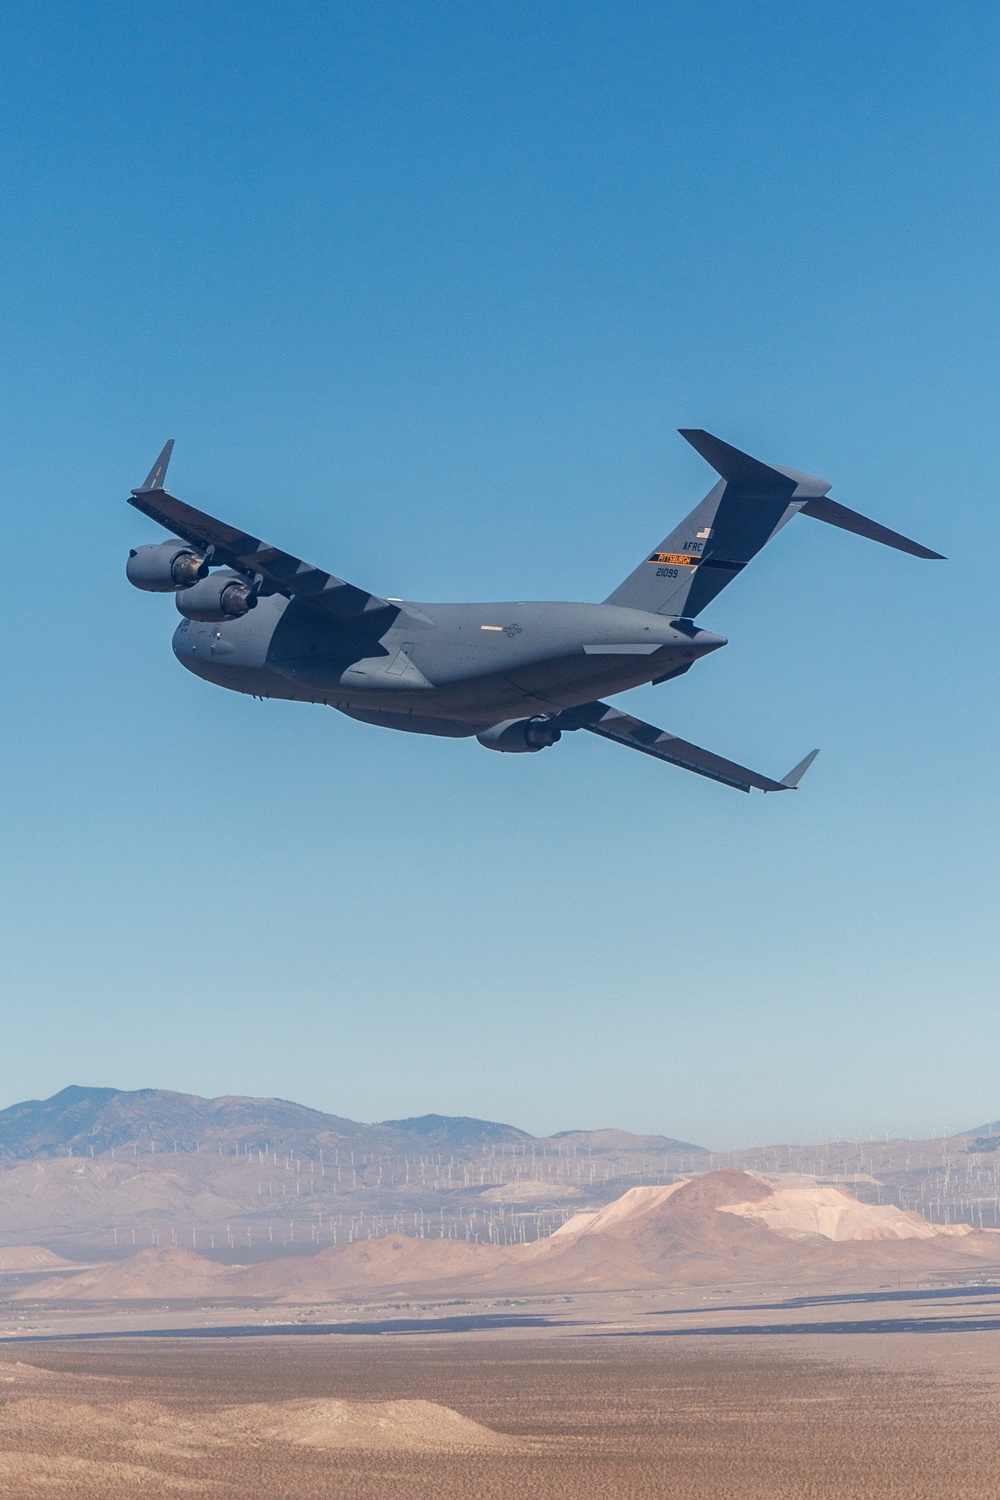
(712, 1337)
(604, 1402)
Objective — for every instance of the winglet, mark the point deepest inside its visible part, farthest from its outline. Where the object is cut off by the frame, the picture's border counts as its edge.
(795, 775)
(154, 479)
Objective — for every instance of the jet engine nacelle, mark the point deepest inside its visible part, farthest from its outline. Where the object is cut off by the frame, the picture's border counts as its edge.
(165, 567)
(518, 736)
(224, 596)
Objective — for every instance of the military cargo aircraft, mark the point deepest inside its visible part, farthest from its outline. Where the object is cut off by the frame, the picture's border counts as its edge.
(517, 676)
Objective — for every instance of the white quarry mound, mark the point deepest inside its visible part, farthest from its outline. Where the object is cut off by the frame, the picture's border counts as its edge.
(792, 1212)
(834, 1214)
(634, 1204)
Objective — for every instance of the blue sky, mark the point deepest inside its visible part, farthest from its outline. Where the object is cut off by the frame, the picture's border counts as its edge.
(423, 292)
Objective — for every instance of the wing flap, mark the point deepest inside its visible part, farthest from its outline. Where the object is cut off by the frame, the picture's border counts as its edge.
(611, 724)
(278, 572)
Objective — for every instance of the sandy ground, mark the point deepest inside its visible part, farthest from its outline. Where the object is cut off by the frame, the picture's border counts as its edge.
(899, 1324)
(833, 1395)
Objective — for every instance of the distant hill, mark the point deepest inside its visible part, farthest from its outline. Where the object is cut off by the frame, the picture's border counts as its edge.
(456, 1130)
(624, 1140)
(985, 1138)
(92, 1121)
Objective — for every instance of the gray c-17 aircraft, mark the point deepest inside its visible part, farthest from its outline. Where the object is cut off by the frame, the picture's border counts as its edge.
(517, 676)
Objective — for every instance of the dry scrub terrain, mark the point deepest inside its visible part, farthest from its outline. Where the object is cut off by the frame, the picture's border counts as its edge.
(483, 1419)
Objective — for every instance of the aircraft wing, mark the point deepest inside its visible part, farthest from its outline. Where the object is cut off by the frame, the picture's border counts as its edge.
(611, 724)
(278, 572)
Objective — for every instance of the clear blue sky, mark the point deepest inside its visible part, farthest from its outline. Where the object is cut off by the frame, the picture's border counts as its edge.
(423, 290)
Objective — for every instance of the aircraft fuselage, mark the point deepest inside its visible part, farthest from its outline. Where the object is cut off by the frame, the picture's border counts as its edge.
(450, 669)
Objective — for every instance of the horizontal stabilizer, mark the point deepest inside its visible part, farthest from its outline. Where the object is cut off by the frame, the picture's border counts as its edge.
(158, 473)
(823, 509)
(736, 468)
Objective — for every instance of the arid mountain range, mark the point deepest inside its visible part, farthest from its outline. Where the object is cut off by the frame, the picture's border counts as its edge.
(94, 1121)
(92, 1173)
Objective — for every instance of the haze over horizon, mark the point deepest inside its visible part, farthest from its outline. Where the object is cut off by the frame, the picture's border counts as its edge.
(422, 293)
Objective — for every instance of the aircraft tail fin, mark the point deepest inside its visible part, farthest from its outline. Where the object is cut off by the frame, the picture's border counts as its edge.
(749, 506)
